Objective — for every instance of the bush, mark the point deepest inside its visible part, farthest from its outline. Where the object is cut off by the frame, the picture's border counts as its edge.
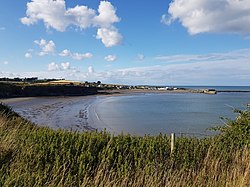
(236, 133)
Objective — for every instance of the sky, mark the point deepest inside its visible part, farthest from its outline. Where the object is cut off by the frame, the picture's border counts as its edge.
(150, 42)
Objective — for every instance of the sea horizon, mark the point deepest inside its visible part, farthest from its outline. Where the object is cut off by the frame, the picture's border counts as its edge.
(218, 88)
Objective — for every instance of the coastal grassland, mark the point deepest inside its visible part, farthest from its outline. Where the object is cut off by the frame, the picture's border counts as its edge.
(38, 156)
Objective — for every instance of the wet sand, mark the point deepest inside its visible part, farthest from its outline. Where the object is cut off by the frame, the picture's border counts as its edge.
(71, 113)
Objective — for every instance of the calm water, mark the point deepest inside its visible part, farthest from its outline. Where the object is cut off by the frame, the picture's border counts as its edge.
(166, 113)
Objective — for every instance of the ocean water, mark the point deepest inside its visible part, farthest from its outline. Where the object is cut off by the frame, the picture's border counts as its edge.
(167, 112)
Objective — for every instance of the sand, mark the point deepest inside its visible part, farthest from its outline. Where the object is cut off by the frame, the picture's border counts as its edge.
(71, 113)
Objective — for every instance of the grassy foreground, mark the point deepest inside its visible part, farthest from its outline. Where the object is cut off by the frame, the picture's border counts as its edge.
(37, 156)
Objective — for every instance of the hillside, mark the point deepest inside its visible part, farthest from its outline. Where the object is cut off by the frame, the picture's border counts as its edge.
(8, 90)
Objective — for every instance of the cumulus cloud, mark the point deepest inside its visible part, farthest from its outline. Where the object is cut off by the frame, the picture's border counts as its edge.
(109, 36)
(28, 55)
(110, 58)
(75, 56)
(65, 53)
(46, 47)
(231, 68)
(49, 11)
(91, 70)
(78, 56)
(65, 66)
(215, 16)
(59, 67)
(107, 15)
(53, 67)
(56, 15)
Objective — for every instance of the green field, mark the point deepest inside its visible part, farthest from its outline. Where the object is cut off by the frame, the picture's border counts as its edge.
(37, 156)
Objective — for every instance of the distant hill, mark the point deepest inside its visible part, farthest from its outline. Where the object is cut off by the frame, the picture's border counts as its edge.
(8, 90)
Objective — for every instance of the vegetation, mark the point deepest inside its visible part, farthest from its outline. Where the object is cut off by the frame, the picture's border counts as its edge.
(32, 90)
(37, 156)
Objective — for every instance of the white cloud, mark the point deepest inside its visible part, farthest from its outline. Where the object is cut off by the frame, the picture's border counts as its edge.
(59, 67)
(65, 66)
(51, 12)
(110, 58)
(53, 67)
(215, 16)
(75, 56)
(107, 15)
(80, 16)
(91, 70)
(78, 56)
(28, 55)
(65, 53)
(238, 54)
(109, 36)
(56, 15)
(46, 47)
(140, 57)
(2, 28)
(230, 68)
(6, 62)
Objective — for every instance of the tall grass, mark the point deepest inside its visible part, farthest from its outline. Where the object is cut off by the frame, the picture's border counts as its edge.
(37, 156)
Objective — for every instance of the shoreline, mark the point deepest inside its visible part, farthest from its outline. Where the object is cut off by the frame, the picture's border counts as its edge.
(117, 93)
(144, 91)
(75, 113)
(69, 113)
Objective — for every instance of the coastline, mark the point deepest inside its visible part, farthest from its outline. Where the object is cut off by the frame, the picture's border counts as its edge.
(58, 112)
(55, 112)
(76, 113)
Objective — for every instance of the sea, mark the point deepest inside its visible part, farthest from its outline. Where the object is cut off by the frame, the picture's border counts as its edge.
(181, 113)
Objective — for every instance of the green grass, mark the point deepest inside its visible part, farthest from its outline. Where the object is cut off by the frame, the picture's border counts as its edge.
(37, 156)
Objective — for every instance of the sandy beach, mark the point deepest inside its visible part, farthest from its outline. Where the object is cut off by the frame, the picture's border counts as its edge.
(71, 113)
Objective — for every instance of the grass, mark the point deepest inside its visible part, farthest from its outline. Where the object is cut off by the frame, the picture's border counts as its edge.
(37, 156)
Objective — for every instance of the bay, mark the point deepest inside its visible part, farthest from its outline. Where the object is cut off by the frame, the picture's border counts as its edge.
(135, 113)
(165, 113)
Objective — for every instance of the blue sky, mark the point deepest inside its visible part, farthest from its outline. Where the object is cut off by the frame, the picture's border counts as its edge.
(191, 42)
